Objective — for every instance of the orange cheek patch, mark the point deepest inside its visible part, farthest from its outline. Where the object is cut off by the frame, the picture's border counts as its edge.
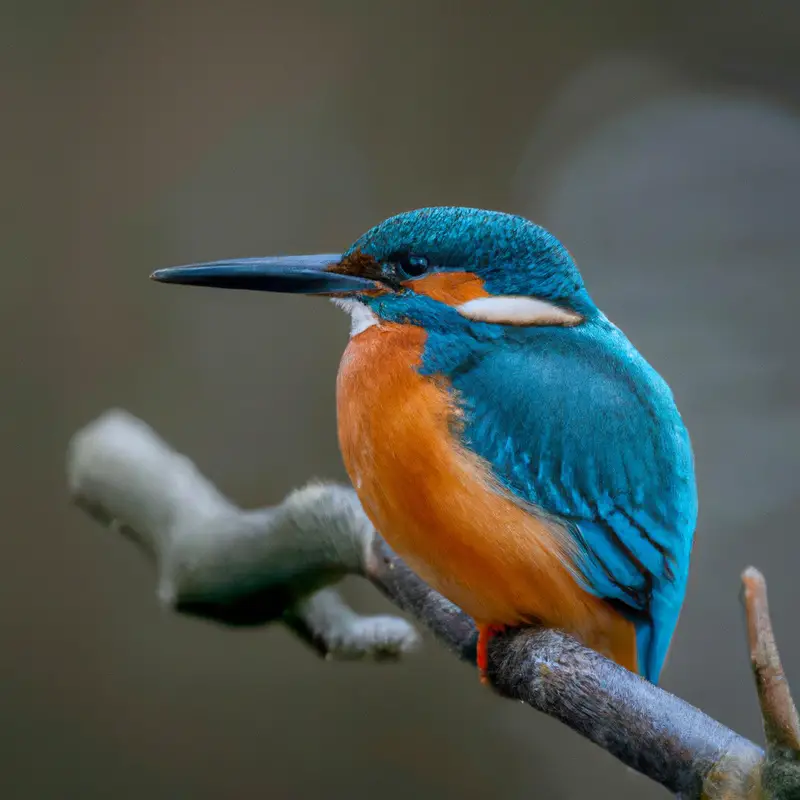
(376, 292)
(453, 288)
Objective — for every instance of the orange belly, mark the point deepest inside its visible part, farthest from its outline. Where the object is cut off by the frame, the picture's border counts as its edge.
(438, 507)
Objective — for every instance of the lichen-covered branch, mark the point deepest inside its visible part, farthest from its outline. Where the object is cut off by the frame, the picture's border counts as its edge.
(280, 563)
(217, 561)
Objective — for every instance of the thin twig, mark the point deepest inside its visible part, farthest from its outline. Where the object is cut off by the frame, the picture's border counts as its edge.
(781, 724)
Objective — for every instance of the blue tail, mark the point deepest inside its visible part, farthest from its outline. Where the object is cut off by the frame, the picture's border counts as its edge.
(653, 638)
(611, 573)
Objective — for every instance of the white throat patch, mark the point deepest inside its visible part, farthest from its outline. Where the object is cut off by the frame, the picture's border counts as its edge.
(361, 317)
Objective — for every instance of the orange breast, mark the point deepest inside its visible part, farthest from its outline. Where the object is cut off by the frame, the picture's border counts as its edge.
(438, 506)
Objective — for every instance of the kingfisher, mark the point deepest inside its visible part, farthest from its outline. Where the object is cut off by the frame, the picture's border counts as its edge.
(504, 437)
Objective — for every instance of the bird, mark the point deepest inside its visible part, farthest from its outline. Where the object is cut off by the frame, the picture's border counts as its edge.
(506, 439)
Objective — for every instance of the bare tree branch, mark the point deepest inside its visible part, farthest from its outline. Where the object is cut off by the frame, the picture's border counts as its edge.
(645, 727)
(278, 564)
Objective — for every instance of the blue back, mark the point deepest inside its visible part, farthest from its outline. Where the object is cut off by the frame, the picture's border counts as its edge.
(577, 423)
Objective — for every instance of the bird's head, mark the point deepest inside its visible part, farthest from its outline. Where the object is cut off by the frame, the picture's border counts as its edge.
(438, 266)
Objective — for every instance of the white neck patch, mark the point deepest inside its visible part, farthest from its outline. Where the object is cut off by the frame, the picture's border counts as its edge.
(514, 310)
(361, 317)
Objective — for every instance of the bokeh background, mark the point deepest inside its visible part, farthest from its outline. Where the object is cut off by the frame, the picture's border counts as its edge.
(660, 141)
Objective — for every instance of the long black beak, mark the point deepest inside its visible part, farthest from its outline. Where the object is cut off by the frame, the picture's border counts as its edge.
(294, 274)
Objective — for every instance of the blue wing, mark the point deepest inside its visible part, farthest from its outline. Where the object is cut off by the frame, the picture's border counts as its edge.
(576, 422)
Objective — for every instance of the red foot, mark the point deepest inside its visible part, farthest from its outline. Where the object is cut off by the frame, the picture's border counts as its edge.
(485, 634)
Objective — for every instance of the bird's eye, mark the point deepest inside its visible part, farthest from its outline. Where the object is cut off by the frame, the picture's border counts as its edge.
(410, 265)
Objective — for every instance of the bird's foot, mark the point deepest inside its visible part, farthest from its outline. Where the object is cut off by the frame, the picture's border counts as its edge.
(485, 634)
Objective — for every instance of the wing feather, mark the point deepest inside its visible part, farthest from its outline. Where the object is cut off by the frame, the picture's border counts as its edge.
(576, 422)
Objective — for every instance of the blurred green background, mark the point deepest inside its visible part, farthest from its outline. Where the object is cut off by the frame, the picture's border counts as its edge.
(659, 141)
